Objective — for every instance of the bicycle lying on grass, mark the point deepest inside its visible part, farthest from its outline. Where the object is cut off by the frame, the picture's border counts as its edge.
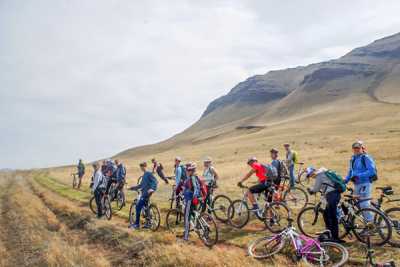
(311, 251)
(150, 214)
(202, 223)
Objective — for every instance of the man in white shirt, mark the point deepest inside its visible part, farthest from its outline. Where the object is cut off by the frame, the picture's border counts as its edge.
(98, 187)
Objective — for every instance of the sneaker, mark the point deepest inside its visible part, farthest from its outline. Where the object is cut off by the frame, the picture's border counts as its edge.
(133, 226)
(147, 226)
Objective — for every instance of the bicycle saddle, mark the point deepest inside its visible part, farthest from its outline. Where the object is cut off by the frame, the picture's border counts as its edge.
(387, 190)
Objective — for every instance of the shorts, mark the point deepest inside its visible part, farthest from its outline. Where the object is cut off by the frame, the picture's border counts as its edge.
(258, 188)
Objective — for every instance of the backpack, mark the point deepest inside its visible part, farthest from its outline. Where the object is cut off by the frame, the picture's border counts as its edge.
(337, 180)
(202, 187)
(281, 169)
(374, 177)
(295, 157)
(271, 172)
(183, 176)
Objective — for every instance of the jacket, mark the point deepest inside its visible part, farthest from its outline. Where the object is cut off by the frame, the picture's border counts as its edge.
(120, 173)
(148, 182)
(362, 172)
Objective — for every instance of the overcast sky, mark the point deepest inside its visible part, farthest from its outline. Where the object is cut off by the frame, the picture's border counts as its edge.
(92, 78)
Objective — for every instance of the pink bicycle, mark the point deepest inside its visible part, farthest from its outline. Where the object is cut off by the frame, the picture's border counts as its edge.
(311, 251)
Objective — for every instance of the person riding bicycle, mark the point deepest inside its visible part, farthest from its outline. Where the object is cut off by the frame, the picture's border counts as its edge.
(81, 171)
(191, 193)
(159, 169)
(291, 160)
(332, 196)
(98, 188)
(147, 187)
(263, 182)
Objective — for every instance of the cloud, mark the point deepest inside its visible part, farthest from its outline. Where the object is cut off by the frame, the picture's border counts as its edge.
(91, 78)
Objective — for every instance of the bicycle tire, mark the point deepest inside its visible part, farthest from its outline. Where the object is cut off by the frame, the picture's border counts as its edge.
(107, 208)
(274, 222)
(120, 200)
(232, 213)
(264, 243)
(310, 226)
(377, 221)
(93, 205)
(342, 257)
(220, 205)
(395, 223)
(295, 202)
(132, 213)
(154, 213)
(207, 223)
(174, 221)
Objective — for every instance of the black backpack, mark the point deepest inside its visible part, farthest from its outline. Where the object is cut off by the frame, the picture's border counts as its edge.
(373, 178)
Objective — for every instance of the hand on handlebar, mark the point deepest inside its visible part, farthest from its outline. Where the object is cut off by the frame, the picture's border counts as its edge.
(240, 184)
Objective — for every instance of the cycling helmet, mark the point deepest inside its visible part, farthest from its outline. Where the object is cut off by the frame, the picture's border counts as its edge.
(274, 150)
(207, 159)
(310, 170)
(191, 167)
(251, 160)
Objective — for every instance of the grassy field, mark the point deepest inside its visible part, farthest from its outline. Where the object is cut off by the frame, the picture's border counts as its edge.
(322, 139)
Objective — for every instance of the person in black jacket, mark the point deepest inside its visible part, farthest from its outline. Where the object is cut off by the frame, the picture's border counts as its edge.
(159, 169)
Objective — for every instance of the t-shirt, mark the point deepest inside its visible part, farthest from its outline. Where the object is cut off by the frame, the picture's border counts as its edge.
(208, 175)
(261, 173)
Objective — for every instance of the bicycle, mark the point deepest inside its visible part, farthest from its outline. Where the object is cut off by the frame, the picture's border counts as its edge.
(370, 259)
(202, 223)
(351, 219)
(294, 197)
(118, 196)
(150, 214)
(105, 204)
(311, 251)
(392, 213)
(217, 206)
(302, 178)
(271, 213)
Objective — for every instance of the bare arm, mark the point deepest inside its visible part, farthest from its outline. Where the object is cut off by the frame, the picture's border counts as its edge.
(247, 176)
(215, 174)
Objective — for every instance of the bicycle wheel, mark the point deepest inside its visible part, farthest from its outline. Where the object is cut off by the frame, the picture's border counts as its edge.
(207, 229)
(266, 247)
(276, 217)
(154, 219)
(326, 254)
(238, 213)
(132, 213)
(174, 221)
(295, 198)
(310, 221)
(394, 216)
(120, 200)
(220, 206)
(107, 208)
(93, 205)
(378, 228)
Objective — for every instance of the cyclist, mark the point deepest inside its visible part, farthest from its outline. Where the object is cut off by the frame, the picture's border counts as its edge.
(279, 165)
(362, 172)
(159, 169)
(110, 171)
(332, 197)
(259, 170)
(147, 187)
(120, 175)
(81, 171)
(98, 188)
(291, 159)
(210, 177)
(191, 192)
(180, 175)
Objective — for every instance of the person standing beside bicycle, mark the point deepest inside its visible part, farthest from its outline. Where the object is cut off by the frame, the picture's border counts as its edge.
(210, 177)
(279, 166)
(291, 160)
(147, 187)
(120, 175)
(263, 182)
(362, 172)
(180, 175)
(159, 169)
(191, 193)
(81, 172)
(98, 188)
(332, 196)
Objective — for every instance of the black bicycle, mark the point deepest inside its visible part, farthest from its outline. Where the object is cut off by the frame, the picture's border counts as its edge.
(150, 214)
(117, 196)
(105, 205)
(218, 205)
(361, 222)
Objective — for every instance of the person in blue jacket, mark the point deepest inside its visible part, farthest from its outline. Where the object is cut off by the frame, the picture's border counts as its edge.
(362, 171)
(147, 186)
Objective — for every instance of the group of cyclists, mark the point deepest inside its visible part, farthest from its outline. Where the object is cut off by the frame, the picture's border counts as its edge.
(362, 172)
